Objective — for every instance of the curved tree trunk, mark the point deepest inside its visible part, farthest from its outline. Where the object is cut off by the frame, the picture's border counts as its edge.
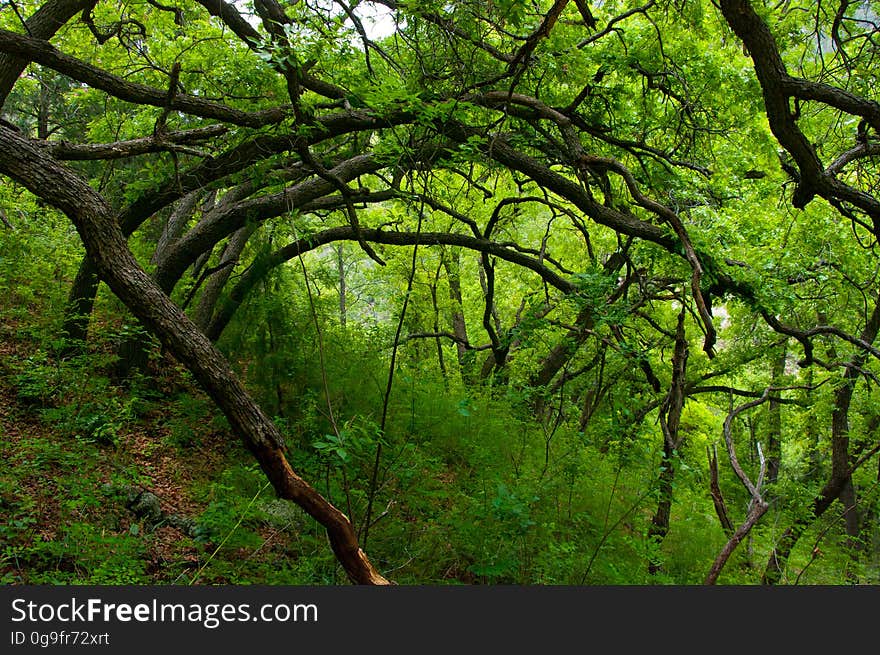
(43, 24)
(220, 275)
(105, 243)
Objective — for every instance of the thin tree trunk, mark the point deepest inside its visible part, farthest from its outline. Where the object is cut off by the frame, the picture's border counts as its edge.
(717, 497)
(80, 303)
(564, 349)
(43, 110)
(436, 307)
(175, 226)
(343, 290)
(217, 280)
(670, 422)
(660, 521)
(790, 536)
(774, 433)
(452, 263)
(757, 505)
(756, 511)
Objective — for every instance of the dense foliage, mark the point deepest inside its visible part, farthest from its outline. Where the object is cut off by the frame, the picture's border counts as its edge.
(511, 292)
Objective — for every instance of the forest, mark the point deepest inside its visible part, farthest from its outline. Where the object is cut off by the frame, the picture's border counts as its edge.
(422, 292)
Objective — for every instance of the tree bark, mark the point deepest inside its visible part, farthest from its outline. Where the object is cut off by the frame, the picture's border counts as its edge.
(105, 243)
(80, 303)
(343, 290)
(670, 422)
(208, 172)
(452, 264)
(717, 497)
(774, 433)
(841, 473)
(757, 510)
(564, 349)
(217, 280)
(175, 226)
(43, 24)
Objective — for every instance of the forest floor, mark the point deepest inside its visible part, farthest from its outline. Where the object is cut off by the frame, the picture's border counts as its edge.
(75, 506)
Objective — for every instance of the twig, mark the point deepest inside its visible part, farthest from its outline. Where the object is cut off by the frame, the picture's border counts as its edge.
(367, 524)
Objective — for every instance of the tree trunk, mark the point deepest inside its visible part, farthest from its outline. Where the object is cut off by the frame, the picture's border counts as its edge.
(452, 263)
(80, 303)
(841, 474)
(216, 282)
(564, 349)
(840, 465)
(340, 271)
(105, 243)
(43, 111)
(175, 226)
(81, 298)
(660, 521)
(781, 552)
(441, 362)
(774, 432)
(43, 24)
(670, 422)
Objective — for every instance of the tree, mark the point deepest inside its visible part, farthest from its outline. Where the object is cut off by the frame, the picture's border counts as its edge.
(600, 180)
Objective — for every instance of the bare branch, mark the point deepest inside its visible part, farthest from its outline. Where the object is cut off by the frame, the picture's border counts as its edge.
(66, 151)
(715, 490)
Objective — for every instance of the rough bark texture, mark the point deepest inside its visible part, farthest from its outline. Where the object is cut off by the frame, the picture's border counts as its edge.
(43, 24)
(105, 243)
(217, 280)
